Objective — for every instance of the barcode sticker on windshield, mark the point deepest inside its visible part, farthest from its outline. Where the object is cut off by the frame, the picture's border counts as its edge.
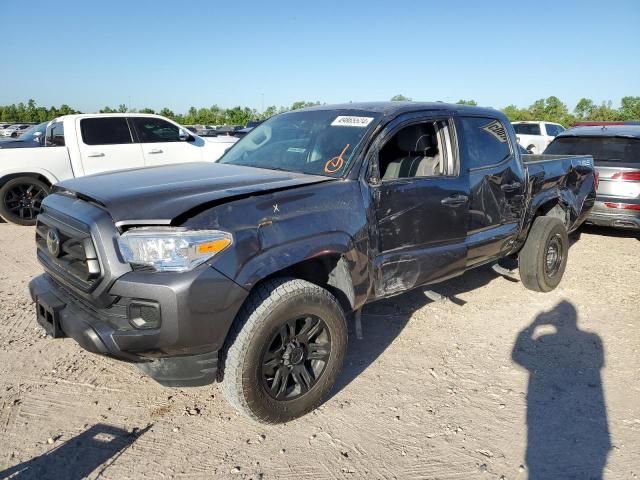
(345, 121)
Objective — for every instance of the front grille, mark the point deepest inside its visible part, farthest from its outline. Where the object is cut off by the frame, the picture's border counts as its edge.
(76, 262)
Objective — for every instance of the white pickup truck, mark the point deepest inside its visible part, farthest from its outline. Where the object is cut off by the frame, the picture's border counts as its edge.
(535, 136)
(85, 144)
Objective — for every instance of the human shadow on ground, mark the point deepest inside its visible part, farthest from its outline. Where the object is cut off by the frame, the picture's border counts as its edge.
(567, 428)
(384, 320)
(96, 447)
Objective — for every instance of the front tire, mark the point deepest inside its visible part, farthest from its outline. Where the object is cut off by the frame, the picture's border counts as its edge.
(543, 258)
(284, 351)
(21, 198)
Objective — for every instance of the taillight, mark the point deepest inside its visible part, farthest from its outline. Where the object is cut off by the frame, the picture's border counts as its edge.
(633, 175)
(622, 206)
(596, 177)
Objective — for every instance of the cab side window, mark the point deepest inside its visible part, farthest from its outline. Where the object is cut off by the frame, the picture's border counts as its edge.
(105, 131)
(483, 141)
(419, 150)
(155, 130)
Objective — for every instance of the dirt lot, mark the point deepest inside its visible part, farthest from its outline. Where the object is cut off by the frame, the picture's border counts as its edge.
(498, 382)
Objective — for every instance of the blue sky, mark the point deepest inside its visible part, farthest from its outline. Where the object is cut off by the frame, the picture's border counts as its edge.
(169, 53)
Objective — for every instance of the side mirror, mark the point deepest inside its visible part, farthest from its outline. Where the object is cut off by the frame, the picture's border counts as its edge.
(37, 137)
(184, 135)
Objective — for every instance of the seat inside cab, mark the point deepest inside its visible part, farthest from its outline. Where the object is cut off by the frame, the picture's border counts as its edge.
(418, 150)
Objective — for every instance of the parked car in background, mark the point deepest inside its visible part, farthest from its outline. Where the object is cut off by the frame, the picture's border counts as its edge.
(206, 130)
(616, 152)
(78, 145)
(253, 123)
(535, 136)
(32, 137)
(245, 269)
(15, 130)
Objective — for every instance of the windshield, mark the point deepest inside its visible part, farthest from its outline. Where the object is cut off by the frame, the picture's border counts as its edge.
(318, 142)
(604, 149)
(29, 134)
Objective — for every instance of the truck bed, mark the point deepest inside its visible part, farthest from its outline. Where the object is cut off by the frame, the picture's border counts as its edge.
(561, 177)
(530, 158)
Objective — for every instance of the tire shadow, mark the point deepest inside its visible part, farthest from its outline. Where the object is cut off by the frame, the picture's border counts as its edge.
(79, 456)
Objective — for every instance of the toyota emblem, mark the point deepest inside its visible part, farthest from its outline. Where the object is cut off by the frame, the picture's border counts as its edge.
(53, 242)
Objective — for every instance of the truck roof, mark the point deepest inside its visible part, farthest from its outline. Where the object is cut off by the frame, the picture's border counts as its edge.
(392, 109)
(534, 122)
(93, 115)
(603, 131)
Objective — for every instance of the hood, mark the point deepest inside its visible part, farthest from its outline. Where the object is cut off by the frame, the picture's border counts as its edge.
(159, 194)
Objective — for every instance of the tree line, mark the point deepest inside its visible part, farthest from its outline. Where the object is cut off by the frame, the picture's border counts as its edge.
(550, 109)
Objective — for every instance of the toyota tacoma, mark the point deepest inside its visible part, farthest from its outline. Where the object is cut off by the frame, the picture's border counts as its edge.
(244, 271)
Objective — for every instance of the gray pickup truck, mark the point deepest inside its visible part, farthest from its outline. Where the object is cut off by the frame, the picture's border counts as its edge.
(245, 270)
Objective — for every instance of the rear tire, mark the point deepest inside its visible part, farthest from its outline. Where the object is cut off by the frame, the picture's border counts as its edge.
(284, 351)
(543, 258)
(20, 200)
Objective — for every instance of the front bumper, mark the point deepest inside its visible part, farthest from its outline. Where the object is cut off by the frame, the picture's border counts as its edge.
(196, 310)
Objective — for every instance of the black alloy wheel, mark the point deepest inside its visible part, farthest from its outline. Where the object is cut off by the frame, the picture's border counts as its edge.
(284, 350)
(295, 357)
(21, 200)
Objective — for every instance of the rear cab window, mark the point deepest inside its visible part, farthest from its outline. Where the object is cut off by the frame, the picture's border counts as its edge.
(484, 141)
(105, 131)
(527, 128)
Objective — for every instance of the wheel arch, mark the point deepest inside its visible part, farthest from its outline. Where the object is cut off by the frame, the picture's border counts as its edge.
(43, 176)
(328, 260)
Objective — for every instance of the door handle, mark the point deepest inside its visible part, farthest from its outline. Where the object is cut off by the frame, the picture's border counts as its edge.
(510, 187)
(95, 154)
(454, 200)
(155, 150)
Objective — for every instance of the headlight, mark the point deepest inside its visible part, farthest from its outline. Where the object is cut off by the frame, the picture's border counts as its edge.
(172, 249)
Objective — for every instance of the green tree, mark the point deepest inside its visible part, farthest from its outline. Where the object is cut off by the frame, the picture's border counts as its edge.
(147, 110)
(66, 110)
(302, 104)
(400, 98)
(31, 114)
(605, 113)
(108, 110)
(584, 108)
(630, 108)
(473, 103)
(165, 112)
(515, 114)
(122, 108)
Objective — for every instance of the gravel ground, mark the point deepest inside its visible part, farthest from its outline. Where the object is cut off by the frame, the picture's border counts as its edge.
(496, 382)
